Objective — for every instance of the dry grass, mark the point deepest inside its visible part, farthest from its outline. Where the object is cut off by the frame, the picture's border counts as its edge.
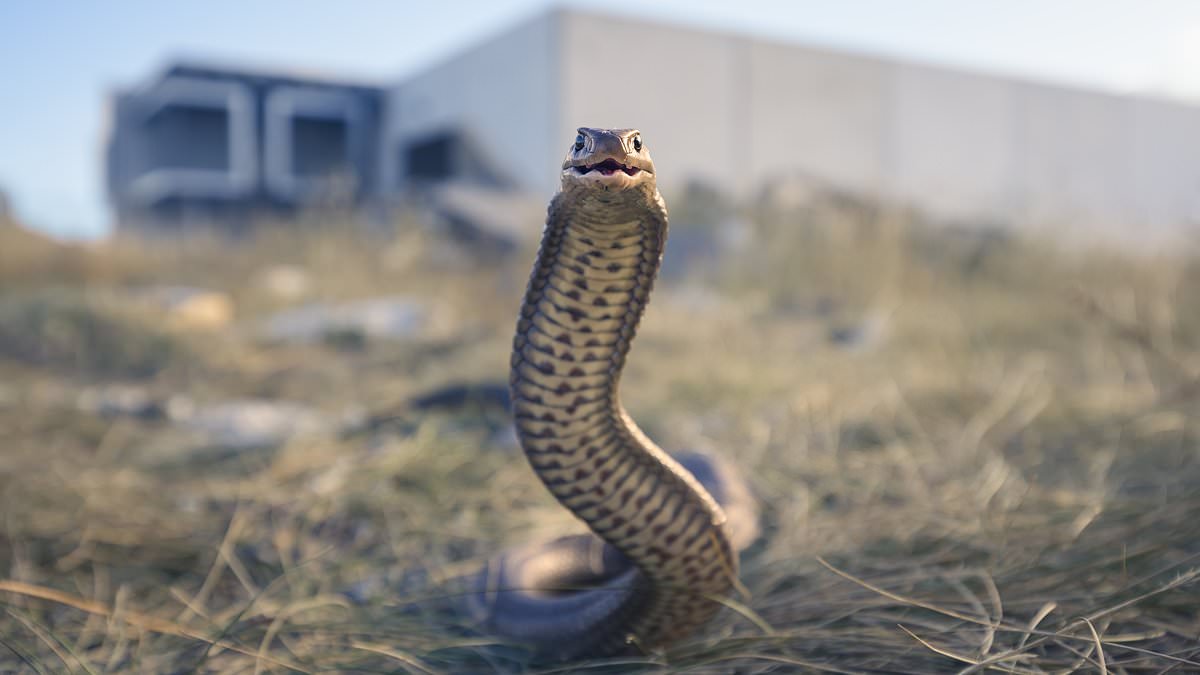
(1000, 476)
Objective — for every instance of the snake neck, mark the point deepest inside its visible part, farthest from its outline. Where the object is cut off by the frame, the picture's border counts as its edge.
(598, 260)
(587, 293)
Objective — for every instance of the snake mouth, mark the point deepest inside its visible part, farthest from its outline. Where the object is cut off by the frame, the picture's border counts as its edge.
(607, 168)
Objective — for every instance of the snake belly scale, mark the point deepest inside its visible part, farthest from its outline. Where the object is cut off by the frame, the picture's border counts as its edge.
(666, 556)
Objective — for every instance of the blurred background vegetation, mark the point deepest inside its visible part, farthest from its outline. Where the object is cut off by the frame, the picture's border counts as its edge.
(975, 450)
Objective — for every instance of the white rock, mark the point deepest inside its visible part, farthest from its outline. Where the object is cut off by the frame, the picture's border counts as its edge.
(287, 282)
(378, 318)
(251, 423)
(190, 307)
(121, 401)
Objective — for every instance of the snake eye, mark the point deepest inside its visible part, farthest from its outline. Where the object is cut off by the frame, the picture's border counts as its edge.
(637, 143)
(578, 142)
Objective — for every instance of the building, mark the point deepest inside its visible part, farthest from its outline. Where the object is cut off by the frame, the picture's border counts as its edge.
(738, 114)
(200, 143)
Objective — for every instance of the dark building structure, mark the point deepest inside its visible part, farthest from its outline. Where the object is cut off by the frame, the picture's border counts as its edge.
(203, 144)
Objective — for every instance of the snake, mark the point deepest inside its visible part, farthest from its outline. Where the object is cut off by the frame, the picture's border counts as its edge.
(663, 553)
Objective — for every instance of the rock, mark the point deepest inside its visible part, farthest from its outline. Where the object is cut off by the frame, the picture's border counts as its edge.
(504, 438)
(116, 401)
(251, 423)
(286, 282)
(378, 318)
(187, 307)
(487, 219)
(866, 333)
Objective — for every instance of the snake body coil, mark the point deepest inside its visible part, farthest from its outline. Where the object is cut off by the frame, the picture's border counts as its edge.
(666, 553)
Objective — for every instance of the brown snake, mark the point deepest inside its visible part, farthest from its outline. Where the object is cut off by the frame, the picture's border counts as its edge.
(669, 557)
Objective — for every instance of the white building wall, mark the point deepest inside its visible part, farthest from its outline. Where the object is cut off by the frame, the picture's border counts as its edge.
(502, 93)
(1166, 162)
(805, 105)
(951, 144)
(1076, 156)
(736, 112)
(680, 88)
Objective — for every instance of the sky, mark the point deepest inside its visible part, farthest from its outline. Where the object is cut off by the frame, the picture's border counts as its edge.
(59, 58)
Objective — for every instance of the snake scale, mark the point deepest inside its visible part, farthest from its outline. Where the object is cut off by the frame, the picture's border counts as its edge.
(664, 554)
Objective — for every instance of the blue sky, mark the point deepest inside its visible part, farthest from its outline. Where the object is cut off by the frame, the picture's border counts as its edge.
(58, 57)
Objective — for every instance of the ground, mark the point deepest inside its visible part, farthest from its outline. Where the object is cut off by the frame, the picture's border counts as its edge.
(974, 451)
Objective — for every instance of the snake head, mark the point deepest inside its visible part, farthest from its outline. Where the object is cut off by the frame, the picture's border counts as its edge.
(610, 159)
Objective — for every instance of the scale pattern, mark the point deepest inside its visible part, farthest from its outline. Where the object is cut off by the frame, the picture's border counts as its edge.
(594, 272)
